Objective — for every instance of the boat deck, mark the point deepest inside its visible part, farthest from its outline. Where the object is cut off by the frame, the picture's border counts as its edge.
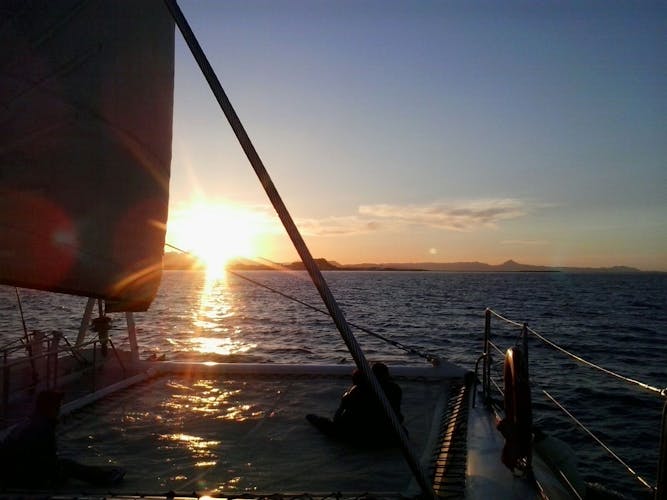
(211, 429)
(76, 377)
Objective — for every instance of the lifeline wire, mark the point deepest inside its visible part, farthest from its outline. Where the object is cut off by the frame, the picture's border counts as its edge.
(570, 415)
(606, 448)
(661, 392)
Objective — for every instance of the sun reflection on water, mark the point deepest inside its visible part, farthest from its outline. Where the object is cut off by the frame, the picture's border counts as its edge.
(199, 402)
(206, 398)
(203, 451)
(220, 345)
(214, 321)
(193, 405)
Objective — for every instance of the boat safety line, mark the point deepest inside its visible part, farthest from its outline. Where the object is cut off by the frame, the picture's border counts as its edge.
(660, 392)
(599, 441)
(565, 479)
(498, 388)
(13, 345)
(506, 320)
(498, 349)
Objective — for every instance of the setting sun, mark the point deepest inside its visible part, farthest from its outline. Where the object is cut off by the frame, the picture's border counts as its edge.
(216, 233)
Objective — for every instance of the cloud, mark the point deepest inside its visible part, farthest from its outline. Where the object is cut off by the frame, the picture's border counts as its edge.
(524, 242)
(464, 217)
(338, 226)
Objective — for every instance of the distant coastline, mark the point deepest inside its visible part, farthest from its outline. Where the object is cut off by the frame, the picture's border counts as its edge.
(177, 261)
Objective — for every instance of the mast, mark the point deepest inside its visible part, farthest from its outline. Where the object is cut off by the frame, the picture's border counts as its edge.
(298, 242)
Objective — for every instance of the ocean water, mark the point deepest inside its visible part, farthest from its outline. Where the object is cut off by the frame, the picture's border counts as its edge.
(618, 321)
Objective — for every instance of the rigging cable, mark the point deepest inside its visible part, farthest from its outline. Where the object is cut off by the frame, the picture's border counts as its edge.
(28, 346)
(410, 350)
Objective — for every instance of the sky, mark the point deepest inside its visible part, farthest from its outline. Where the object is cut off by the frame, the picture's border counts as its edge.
(430, 131)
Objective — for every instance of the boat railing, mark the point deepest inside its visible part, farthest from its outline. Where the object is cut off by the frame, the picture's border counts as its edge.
(490, 385)
(46, 361)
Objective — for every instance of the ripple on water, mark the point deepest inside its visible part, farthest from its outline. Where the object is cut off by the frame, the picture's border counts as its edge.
(618, 321)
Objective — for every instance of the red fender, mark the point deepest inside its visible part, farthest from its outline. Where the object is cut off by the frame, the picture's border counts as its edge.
(517, 425)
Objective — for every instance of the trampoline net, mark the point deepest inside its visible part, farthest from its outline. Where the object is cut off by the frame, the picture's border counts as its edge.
(211, 436)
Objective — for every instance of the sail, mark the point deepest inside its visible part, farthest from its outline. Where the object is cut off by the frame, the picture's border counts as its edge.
(86, 100)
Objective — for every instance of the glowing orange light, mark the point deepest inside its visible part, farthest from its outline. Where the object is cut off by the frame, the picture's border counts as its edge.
(216, 233)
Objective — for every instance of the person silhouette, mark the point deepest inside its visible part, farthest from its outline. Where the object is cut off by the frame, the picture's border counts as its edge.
(360, 419)
(391, 389)
(29, 454)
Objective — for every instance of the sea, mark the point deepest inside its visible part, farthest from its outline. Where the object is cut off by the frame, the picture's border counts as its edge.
(615, 321)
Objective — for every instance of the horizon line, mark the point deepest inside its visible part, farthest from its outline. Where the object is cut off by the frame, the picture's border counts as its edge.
(506, 263)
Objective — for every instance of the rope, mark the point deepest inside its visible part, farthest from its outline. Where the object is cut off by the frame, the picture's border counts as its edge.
(28, 346)
(647, 387)
(600, 442)
(660, 392)
(74, 352)
(14, 345)
(496, 348)
(506, 320)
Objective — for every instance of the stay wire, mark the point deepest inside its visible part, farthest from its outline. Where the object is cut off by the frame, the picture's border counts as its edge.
(410, 350)
(28, 346)
(300, 246)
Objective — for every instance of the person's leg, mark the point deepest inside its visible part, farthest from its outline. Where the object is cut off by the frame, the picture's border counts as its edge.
(98, 476)
(323, 424)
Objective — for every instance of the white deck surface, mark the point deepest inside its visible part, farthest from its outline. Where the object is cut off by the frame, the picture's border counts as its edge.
(488, 478)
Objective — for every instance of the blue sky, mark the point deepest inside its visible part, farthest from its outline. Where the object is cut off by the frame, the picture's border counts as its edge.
(434, 131)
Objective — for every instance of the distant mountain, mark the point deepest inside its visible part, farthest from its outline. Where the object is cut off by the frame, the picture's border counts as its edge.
(174, 260)
(186, 262)
(181, 261)
(323, 264)
(508, 266)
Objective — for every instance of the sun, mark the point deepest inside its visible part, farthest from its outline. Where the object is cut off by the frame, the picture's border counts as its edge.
(215, 233)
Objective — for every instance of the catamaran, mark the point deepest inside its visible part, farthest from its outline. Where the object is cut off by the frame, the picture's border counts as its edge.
(87, 97)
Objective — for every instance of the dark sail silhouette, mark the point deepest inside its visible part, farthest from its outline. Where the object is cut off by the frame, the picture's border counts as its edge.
(86, 98)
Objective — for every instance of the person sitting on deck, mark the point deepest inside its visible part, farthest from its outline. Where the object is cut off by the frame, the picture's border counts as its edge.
(391, 389)
(29, 456)
(353, 404)
(360, 418)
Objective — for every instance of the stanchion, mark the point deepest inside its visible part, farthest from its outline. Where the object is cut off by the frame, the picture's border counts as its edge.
(661, 487)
